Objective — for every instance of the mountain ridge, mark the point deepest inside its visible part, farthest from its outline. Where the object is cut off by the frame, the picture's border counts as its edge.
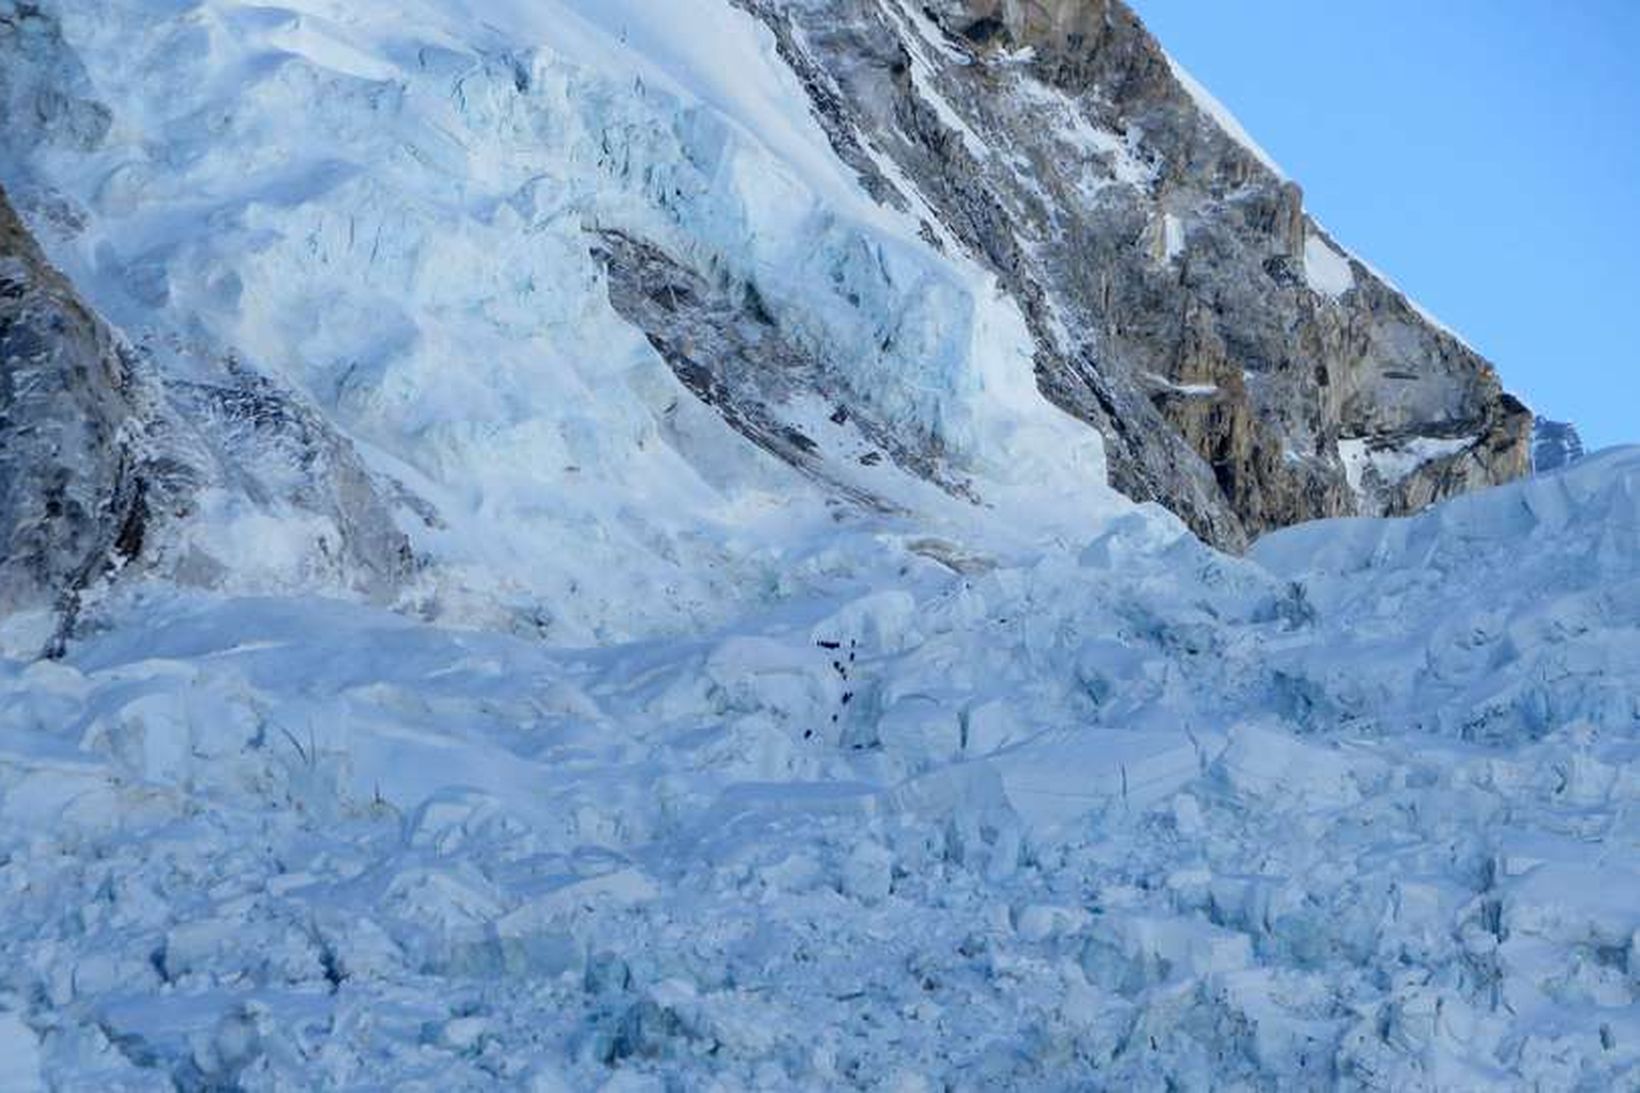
(1293, 374)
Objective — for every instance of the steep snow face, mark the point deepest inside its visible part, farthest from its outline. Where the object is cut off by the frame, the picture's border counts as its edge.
(1134, 814)
(1326, 270)
(414, 259)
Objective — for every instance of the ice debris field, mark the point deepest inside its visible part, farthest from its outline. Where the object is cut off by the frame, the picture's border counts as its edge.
(669, 772)
(1358, 811)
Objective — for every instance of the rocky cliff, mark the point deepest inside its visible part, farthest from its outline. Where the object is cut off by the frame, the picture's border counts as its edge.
(1243, 368)
(102, 463)
(73, 501)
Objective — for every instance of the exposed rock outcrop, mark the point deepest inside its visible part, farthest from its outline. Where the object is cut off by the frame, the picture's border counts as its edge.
(730, 353)
(1181, 300)
(100, 460)
(76, 494)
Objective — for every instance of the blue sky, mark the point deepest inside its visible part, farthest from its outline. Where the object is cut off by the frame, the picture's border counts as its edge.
(1485, 154)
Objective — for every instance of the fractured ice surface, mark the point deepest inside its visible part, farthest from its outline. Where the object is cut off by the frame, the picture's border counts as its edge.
(1360, 811)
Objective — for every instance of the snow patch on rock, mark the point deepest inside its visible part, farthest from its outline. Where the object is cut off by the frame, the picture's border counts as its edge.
(1325, 269)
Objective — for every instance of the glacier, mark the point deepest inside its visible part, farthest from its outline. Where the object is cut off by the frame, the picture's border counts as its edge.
(780, 696)
(1356, 813)
(414, 264)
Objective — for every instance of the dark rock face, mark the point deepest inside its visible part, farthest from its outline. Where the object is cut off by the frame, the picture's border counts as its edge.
(100, 461)
(1555, 444)
(264, 444)
(1181, 300)
(76, 496)
(724, 346)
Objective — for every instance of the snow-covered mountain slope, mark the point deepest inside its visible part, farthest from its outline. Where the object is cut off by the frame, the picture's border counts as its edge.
(1357, 813)
(571, 544)
(391, 215)
(530, 263)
